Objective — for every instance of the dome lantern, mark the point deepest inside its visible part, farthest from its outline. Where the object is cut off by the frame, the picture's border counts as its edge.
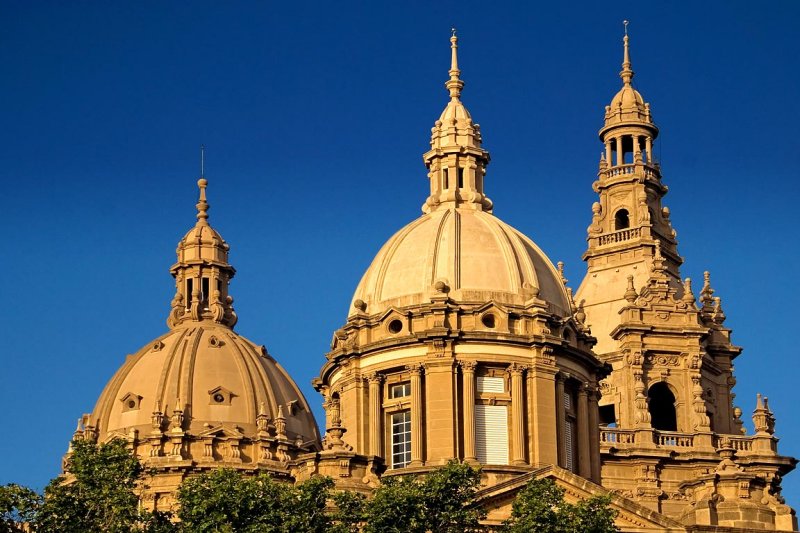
(456, 161)
(202, 273)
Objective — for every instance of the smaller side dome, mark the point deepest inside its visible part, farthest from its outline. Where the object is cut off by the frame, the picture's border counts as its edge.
(201, 396)
(213, 377)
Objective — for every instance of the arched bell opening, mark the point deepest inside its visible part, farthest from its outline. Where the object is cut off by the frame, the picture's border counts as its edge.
(621, 220)
(661, 404)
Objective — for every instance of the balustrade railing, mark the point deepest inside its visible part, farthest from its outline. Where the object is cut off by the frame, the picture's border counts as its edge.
(616, 436)
(674, 440)
(622, 170)
(740, 444)
(620, 236)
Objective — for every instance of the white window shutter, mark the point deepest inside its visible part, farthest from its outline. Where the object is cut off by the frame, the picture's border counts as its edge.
(491, 434)
(491, 384)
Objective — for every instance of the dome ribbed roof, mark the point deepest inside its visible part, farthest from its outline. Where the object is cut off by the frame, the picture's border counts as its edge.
(214, 375)
(477, 255)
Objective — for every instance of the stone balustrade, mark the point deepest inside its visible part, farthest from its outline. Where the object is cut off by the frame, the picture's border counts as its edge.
(627, 438)
(619, 236)
(634, 168)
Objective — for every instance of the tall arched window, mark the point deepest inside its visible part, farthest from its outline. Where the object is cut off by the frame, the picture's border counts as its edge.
(621, 219)
(661, 403)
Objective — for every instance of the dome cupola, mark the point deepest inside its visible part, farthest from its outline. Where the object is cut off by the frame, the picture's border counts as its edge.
(201, 396)
(628, 108)
(458, 247)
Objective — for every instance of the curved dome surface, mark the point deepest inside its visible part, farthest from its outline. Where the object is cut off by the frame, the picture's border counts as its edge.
(214, 375)
(477, 255)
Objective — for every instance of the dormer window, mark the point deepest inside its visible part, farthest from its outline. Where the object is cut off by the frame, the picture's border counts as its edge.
(130, 402)
(220, 396)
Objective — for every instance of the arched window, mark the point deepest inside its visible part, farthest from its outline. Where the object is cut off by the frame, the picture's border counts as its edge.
(661, 403)
(621, 219)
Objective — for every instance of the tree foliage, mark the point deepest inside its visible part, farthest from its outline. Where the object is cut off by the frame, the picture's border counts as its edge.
(100, 494)
(440, 501)
(224, 501)
(540, 507)
(97, 495)
(18, 507)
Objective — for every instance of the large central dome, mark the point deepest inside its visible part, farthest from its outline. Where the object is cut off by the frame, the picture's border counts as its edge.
(458, 246)
(475, 254)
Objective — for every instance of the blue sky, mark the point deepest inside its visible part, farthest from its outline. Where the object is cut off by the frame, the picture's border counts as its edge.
(315, 117)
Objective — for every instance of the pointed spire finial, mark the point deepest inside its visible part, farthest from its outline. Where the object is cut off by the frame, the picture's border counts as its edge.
(202, 204)
(688, 295)
(630, 293)
(560, 266)
(454, 84)
(627, 73)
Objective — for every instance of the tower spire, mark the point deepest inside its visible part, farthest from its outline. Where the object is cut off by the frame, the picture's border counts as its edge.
(202, 183)
(626, 74)
(454, 84)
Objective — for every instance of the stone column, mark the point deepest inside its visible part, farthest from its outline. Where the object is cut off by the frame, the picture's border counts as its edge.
(375, 400)
(594, 434)
(468, 395)
(517, 415)
(416, 414)
(608, 153)
(584, 446)
(561, 420)
(620, 155)
(648, 143)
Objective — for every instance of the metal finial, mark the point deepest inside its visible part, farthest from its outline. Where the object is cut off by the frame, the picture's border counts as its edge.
(625, 24)
(202, 161)
(454, 84)
(453, 29)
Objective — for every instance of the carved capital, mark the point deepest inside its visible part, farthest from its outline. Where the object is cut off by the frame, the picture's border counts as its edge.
(468, 366)
(516, 369)
(416, 369)
(374, 377)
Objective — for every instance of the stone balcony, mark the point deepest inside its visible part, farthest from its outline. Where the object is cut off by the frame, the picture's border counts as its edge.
(617, 439)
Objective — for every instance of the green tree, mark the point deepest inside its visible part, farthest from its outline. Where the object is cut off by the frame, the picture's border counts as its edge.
(18, 508)
(540, 507)
(448, 493)
(97, 495)
(225, 500)
(351, 512)
(440, 501)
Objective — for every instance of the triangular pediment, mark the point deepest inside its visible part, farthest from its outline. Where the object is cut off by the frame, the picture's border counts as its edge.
(631, 516)
(398, 313)
(490, 305)
(222, 432)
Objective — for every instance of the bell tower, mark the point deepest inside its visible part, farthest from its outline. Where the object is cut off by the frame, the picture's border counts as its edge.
(670, 433)
(628, 220)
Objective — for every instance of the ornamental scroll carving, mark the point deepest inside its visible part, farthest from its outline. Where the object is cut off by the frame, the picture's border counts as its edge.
(661, 360)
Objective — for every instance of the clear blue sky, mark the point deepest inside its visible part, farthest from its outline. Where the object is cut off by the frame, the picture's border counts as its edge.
(315, 117)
